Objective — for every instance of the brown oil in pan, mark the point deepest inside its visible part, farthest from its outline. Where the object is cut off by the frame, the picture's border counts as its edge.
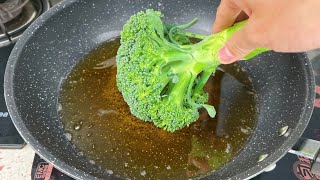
(95, 115)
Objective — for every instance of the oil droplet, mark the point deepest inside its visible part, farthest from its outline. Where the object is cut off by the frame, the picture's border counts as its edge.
(68, 136)
(109, 171)
(228, 149)
(77, 127)
(92, 161)
(59, 107)
(143, 173)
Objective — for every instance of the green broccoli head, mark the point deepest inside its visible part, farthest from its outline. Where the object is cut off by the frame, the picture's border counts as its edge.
(161, 73)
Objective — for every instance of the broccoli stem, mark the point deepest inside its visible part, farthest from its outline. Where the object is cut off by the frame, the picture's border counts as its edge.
(177, 29)
(191, 101)
(194, 35)
(170, 56)
(174, 72)
(176, 55)
(202, 81)
(164, 80)
(174, 63)
(178, 67)
(177, 93)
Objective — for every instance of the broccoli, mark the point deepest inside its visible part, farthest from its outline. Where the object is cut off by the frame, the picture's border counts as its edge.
(161, 72)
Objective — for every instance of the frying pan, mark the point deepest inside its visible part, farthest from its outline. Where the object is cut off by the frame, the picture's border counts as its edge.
(57, 40)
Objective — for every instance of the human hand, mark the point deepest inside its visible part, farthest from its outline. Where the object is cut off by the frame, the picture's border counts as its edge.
(280, 25)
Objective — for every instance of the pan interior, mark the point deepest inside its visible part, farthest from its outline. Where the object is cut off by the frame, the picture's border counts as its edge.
(99, 123)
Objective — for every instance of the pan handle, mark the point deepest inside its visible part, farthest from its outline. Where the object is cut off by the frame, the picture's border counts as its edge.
(310, 149)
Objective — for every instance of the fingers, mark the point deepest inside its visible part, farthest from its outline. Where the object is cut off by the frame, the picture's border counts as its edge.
(239, 45)
(242, 16)
(227, 13)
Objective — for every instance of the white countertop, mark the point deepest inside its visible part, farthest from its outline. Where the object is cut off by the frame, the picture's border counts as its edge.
(15, 164)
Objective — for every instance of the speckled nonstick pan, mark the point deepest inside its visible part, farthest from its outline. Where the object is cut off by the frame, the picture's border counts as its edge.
(57, 40)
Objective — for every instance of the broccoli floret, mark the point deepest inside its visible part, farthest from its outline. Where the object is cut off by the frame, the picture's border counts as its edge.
(161, 72)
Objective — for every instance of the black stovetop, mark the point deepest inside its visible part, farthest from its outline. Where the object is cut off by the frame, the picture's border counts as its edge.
(9, 137)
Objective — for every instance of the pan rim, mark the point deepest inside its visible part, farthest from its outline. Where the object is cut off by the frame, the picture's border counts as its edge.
(78, 174)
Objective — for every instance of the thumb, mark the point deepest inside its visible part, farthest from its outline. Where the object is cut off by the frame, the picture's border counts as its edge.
(238, 46)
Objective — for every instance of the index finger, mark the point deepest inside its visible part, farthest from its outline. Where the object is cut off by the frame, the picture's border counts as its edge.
(227, 13)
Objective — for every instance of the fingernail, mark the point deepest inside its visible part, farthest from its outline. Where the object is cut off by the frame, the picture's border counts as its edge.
(225, 56)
